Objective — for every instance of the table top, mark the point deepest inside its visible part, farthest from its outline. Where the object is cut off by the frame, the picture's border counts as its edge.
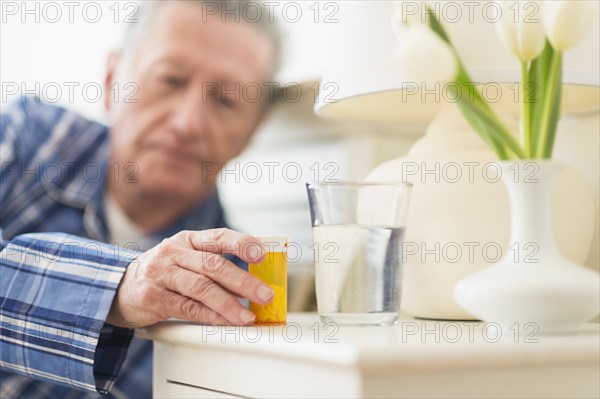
(411, 343)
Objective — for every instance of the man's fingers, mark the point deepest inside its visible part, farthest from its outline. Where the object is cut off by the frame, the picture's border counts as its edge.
(184, 308)
(226, 274)
(204, 290)
(225, 241)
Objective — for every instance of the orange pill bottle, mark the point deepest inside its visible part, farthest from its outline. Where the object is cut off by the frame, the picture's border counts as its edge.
(273, 272)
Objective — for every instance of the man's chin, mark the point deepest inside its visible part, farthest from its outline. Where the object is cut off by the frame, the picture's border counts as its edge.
(174, 189)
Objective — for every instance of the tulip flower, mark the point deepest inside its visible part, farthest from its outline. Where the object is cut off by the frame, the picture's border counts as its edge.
(425, 57)
(407, 13)
(567, 21)
(410, 12)
(522, 34)
(397, 20)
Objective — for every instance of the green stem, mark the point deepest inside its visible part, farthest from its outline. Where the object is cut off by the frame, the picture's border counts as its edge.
(483, 130)
(486, 115)
(478, 112)
(496, 129)
(548, 106)
(525, 121)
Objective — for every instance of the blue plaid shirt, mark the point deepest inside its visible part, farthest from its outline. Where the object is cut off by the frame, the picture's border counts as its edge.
(58, 277)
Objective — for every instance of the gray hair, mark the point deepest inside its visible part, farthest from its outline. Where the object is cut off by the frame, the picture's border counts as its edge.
(254, 12)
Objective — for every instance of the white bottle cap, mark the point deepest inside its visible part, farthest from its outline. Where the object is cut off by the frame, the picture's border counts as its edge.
(275, 243)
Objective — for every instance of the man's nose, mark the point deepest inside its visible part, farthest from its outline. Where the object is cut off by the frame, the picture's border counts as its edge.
(189, 115)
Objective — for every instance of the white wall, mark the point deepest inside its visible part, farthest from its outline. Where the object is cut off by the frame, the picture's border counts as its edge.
(46, 57)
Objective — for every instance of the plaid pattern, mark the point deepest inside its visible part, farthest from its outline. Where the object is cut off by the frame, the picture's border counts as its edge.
(58, 277)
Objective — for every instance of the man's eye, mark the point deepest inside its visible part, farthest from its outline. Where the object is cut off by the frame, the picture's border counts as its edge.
(226, 102)
(173, 81)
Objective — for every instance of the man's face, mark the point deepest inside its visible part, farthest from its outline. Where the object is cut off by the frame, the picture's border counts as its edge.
(180, 128)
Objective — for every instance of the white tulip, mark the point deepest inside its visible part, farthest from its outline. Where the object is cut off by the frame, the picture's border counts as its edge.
(409, 13)
(396, 19)
(519, 31)
(425, 57)
(567, 21)
(403, 14)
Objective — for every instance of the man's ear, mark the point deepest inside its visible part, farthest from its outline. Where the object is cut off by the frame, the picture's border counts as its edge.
(111, 71)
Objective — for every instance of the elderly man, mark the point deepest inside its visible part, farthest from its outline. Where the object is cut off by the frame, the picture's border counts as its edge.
(69, 300)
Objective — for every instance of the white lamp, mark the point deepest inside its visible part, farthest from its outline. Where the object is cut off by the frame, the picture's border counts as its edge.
(362, 81)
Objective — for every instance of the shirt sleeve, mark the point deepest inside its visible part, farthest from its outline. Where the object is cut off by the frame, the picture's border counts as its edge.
(56, 291)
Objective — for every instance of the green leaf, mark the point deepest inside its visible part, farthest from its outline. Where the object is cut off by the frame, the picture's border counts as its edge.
(478, 112)
(482, 130)
(526, 89)
(538, 78)
(489, 124)
(554, 113)
(437, 27)
(495, 130)
(550, 108)
(471, 116)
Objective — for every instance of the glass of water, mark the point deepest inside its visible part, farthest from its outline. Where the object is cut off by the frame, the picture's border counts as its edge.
(358, 232)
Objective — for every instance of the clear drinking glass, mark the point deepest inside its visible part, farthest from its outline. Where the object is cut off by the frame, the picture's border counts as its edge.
(358, 232)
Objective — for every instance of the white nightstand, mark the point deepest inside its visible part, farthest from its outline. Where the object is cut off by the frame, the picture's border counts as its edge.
(415, 358)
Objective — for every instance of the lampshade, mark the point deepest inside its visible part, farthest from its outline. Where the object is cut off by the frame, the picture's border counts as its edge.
(362, 78)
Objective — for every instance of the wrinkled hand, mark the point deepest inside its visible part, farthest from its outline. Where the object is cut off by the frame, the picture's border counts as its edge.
(186, 277)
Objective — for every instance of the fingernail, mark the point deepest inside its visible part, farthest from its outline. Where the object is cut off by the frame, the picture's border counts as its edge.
(247, 316)
(252, 252)
(264, 293)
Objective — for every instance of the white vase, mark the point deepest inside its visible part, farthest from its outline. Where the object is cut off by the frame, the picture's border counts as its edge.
(533, 282)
